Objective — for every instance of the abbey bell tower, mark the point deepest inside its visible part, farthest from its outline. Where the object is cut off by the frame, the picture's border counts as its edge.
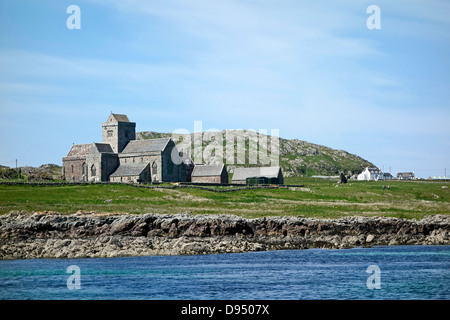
(118, 131)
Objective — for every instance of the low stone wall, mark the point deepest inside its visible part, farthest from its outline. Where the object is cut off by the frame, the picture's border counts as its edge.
(155, 185)
(53, 235)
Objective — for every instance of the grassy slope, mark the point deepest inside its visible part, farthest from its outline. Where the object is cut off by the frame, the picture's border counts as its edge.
(319, 198)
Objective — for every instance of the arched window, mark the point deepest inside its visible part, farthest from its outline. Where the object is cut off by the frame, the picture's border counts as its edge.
(84, 168)
(154, 168)
(72, 168)
(93, 171)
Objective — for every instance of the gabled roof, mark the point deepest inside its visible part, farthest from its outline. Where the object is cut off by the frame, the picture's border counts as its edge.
(139, 146)
(405, 174)
(118, 117)
(79, 150)
(201, 170)
(130, 169)
(244, 173)
(102, 147)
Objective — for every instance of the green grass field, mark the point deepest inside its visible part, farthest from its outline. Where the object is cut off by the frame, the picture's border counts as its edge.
(318, 198)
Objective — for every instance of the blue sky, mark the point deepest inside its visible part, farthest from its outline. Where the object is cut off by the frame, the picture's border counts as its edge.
(311, 69)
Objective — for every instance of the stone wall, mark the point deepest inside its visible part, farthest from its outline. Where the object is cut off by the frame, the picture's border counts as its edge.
(109, 164)
(171, 172)
(118, 134)
(146, 157)
(224, 176)
(208, 179)
(126, 179)
(73, 168)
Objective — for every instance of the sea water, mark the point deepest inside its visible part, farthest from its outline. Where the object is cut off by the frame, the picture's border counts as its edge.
(404, 272)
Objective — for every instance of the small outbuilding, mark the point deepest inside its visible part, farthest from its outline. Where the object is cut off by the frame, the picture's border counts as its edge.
(216, 173)
(258, 175)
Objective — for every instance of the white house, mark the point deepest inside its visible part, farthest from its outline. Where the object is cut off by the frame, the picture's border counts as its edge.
(371, 174)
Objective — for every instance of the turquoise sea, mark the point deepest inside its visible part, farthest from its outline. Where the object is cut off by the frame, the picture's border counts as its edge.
(405, 272)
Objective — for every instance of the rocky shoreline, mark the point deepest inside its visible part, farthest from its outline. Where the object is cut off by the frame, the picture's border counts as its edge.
(93, 235)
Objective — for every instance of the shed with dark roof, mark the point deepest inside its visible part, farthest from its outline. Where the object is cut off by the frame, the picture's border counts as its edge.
(273, 175)
(209, 174)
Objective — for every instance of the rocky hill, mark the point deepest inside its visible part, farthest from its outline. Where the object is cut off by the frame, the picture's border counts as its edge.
(44, 172)
(297, 157)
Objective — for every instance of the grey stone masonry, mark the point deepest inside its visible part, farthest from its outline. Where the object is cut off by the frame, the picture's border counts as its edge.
(98, 162)
(118, 131)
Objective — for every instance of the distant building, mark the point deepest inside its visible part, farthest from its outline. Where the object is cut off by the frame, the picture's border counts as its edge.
(273, 175)
(371, 174)
(209, 174)
(405, 175)
(387, 176)
(437, 178)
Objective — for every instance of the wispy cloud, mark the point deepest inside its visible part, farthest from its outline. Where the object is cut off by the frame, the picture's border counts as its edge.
(310, 69)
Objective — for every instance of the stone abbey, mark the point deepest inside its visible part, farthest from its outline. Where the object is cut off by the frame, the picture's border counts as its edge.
(122, 158)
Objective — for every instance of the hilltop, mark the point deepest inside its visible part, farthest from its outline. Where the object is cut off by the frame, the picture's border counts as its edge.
(299, 158)
(43, 172)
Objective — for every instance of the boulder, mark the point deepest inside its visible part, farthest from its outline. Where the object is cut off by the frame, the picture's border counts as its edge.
(369, 238)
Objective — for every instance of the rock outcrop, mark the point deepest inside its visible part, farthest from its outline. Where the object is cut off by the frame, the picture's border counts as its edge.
(81, 235)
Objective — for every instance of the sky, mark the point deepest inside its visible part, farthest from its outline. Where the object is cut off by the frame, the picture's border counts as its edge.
(311, 69)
